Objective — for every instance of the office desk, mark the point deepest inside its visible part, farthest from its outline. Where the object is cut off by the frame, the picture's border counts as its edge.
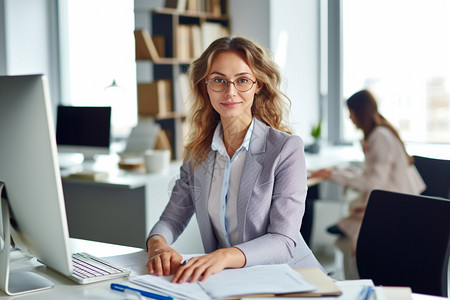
(69, 290)
(65, 288)
(122, 208)
(330, 156)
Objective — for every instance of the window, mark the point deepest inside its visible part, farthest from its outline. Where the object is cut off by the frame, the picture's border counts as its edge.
(399, 49)
(97, 49)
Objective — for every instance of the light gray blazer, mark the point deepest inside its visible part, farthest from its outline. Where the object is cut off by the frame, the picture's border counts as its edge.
(271, 201)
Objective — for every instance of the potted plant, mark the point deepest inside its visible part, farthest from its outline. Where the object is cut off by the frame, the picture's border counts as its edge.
(316, 131)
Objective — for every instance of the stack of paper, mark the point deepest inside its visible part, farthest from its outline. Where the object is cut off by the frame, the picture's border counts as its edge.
(265, 279)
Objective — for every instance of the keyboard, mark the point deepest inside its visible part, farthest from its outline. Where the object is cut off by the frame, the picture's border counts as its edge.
(88, 268)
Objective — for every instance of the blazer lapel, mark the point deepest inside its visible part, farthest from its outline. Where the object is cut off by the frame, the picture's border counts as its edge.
(250, 173)
(202, 179)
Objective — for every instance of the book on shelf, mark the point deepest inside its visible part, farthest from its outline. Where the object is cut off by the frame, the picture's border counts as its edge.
(192, 40)
(191, 5)
(213, 7)
(179, 5)
(196, 5)
(183, 47)
(155, 98)
(196, 41)
(189, 42)
(159, 42)
(171, 3)
(211, 31)
(145, 47)
(216, 8)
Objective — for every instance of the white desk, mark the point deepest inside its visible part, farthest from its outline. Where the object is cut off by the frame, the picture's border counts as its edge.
(330, 156)
(122, 208)
(68, 290)
(335, 155)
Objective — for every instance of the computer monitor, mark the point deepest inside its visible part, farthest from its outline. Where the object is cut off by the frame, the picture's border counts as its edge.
(83, 129)
(32, 195)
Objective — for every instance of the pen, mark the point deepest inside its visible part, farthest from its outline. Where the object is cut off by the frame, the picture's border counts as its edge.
(122, 288)
(361, 294)
(369, 293)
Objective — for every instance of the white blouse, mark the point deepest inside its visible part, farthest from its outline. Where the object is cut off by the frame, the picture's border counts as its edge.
(223, 195)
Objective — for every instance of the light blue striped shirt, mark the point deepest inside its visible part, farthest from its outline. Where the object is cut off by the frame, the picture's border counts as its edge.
(222, 203)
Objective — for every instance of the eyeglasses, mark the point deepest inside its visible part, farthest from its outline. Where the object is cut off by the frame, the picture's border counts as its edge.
(220, 84)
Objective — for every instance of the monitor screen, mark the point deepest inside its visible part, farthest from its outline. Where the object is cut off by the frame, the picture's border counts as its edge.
(30, 172)
(83, 129)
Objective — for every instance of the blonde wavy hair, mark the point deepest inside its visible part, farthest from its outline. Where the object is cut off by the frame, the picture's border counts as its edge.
(270, 105)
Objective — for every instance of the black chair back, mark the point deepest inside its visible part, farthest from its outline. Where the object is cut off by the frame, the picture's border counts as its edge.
(405, 241)
(436, 175)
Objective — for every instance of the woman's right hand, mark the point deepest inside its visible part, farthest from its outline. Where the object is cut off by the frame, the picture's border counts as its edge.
(162, 259)
(323, 173)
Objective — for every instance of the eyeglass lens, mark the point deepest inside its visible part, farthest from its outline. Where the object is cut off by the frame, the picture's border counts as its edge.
(241, 84)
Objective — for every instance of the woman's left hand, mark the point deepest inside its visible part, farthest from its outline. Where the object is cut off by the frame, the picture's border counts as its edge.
(201, 267)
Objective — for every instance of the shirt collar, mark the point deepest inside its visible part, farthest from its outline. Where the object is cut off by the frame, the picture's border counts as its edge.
(217, 143)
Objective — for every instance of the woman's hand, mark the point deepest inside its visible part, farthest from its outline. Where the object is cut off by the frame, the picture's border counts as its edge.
(201, 267)
(324, 173)
(162, 259)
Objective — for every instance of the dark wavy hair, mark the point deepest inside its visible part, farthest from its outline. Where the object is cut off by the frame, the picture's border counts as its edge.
(365, 109)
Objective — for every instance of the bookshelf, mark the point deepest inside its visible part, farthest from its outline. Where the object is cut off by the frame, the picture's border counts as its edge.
(178, 34)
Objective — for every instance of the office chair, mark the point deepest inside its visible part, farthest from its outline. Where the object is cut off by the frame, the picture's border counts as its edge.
(405, 241)
(436, 174)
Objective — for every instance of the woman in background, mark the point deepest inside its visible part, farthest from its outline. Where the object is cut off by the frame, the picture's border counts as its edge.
(387, 167)
(243, 175)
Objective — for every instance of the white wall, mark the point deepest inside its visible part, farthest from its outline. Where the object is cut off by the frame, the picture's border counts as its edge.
(28, 40)
(27, 36)
(251, 19)
(297, 23)
(290, 29)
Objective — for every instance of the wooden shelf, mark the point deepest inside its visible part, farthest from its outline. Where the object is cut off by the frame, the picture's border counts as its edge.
(194, 14)
(178, 36)
(146, 50)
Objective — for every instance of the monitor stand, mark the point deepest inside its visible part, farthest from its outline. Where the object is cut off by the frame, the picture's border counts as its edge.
(15, 282)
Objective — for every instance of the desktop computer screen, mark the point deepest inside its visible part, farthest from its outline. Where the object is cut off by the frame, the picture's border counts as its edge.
(83, 129)
(33, 210)
(30, 173)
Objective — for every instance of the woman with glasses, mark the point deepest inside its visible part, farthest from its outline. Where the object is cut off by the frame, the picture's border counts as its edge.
(243, 175)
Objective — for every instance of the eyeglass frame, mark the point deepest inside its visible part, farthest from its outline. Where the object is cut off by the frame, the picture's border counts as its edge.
(228, 82)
